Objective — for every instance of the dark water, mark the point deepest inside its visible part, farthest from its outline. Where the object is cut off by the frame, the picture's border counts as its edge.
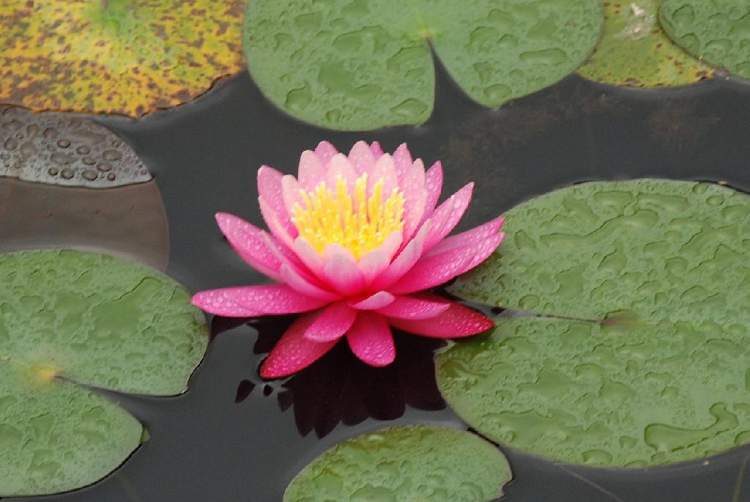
(236, 438)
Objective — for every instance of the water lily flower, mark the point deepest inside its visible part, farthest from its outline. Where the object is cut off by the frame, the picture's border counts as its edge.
(355, 242)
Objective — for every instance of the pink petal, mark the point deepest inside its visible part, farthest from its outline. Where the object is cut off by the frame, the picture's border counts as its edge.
(452, 257)
(456, 322)
(291, 193)
(447, 215)
(248, 301)
(431, 272)
(293, 352)
(433, 185)
(384, 171)
(482, 250)
(311, 170)
(307, 255)
(269, 190)
(218, 303)
(361, 157)
(331, 323)
(288, 256)
(340, 167)
(402, 161)
(469, 237)
(415, 308)
(325, 152)
(248, 242)
(377, 260)
(277, 228)
(415, 198)
(371, 340)
(374, 302)
(404, 261)
(299, 283)
(377, 151)
(340, 270)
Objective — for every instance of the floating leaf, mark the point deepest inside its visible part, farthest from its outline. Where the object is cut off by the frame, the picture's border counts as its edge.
(617, 396)
(642, 289)
(635, 52)
(405, 463)
(57, 149)
(359, 64)
(70, 319)
(717, 31)
(116, 56)
(667, 250)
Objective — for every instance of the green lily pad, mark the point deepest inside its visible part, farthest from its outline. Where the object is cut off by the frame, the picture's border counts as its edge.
(636, 351)
(635, 52)
(665, 250)
(365, 64)
(625, 396)
(69, 320)
(717, 31)
(405, 463)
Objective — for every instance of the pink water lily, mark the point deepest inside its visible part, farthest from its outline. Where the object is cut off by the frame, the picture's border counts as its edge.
(355, 241)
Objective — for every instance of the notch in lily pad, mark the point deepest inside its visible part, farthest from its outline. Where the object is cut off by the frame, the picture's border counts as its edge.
(415, 462)
(362, 65)
(116, 56)
(637, 293)
(71, 322)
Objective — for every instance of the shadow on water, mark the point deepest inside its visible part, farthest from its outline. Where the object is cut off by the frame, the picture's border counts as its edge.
(340, 389)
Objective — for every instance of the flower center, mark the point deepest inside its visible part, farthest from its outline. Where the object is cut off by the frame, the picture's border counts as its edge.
(353, 220)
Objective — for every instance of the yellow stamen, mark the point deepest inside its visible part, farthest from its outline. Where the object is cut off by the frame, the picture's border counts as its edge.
(352, 220)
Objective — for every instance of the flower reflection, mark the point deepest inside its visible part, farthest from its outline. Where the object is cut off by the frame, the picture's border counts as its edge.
(339, 388)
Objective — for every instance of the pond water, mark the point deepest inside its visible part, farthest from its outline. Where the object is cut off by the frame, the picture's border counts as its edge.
(233, 437)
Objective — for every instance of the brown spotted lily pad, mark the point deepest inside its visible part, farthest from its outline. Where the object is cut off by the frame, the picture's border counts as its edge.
(635, 52)
(53, 169)
(127, 57)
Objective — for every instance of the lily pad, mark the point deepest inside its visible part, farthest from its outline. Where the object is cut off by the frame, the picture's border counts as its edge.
(635, 52)
(405, 463)
(717, 31)
(69, 320)
(57, 149)
(365, 64)
(636, 349)
(127, 57)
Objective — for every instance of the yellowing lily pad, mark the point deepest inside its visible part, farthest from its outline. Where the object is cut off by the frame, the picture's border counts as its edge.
(365, 64)
(635, 348)
(127, 57)
(69, 320)
(717, 31)
(635, 52)
(405, 463)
